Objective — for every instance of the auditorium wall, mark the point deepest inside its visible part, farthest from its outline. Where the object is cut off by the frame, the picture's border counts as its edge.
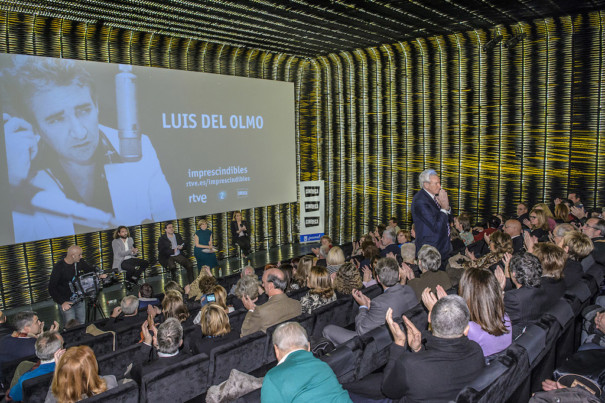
(507, 124)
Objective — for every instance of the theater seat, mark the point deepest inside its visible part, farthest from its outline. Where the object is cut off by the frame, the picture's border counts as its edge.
(345, 360)
(375, 354)
(246, 355)
(116, 362)
(36, 389)
(124, 393)
(101, 344)
(533, 340)
(335, 313)
(179, 382)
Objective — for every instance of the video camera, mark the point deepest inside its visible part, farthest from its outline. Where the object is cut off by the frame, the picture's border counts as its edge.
(89, 285)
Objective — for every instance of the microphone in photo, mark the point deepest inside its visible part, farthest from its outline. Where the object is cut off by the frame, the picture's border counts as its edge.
(128, 123)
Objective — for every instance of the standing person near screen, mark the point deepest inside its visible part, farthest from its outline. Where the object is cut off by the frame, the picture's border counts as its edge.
(239, 233)
(171, 251)
(204, 251)
(65, 173)
(430, 213)
(64, 273)
(124, 256)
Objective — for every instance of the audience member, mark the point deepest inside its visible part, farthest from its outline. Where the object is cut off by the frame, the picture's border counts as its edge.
(335, 259)
(490, 326)
(320, 290)
(577, 246)
(595, 229)
(561, 213)
(371, 312)
(77, 377)
(146, 296)
(393, 225)
(5, 327)
(453, 360)
(323, 255)
(248, 286)
(514, 228)
(389, 244)
(49, 347)
(347, 279)
(246, 271)
(429, 261)
(463, 224)
(299, 376)
(403, 237)
(493, 224)
(277, 309)
(125, 315)
(552, 258)
(522, 212)
(525, 303)
(324, 241)
(201, 286)
(302, 271)
(289, 275)
(538, 224)
(165, 341)
(499, 244)
(214, 329)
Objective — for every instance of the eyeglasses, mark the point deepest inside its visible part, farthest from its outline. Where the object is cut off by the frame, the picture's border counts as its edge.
(533, 217)
(590, 226)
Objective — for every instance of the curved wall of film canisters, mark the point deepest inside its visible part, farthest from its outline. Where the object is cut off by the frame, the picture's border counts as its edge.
(508, 124)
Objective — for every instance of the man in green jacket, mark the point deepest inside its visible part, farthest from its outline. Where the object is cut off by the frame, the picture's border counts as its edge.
(299, 376)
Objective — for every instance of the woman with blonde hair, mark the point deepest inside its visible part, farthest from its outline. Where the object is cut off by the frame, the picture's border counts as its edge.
(335, 259)
(538, 224)
(214, 329)
(77, 377)
(561, 213)
(549, 215)
(204, 251)
(320, 290)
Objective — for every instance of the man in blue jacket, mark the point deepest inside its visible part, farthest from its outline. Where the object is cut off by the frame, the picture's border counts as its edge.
(299, 376)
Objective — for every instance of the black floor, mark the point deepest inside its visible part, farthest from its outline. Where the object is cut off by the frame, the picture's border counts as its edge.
(110, 297)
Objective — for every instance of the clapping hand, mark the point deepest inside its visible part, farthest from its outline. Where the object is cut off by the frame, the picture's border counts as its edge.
(248, 303)
(361, 298)
(428, 299)
(578, 212)
(367, 274)
(405, 273)
(530, 241)
(500, 276)
(470, 255)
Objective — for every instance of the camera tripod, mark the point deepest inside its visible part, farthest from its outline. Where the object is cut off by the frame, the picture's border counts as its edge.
(92, 308)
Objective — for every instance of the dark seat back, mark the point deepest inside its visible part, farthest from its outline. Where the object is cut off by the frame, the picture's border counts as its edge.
(179, 382)
(375, 351)
(124, 393)
(117, 362)
(246, 355)
(36, 389)
(101, 344)
(335, 313)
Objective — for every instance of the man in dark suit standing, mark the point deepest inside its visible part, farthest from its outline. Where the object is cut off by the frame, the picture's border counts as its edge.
(170, 252)
(430, 213)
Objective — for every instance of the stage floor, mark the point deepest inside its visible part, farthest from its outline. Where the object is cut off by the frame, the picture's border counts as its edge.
(110, 297)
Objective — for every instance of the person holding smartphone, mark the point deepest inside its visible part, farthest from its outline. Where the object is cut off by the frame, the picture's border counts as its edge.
(171, 250)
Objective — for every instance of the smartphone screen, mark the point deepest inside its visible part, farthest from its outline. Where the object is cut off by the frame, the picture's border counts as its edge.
(210, 298)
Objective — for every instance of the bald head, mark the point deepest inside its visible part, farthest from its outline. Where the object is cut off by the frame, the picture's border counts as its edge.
(512, 228)
(74, 254)
(274, 282)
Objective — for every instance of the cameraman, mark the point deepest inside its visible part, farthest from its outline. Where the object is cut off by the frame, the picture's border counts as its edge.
(64, 273)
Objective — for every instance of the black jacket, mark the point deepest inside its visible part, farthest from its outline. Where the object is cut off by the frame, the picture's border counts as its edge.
(165, 248)
(61, 277)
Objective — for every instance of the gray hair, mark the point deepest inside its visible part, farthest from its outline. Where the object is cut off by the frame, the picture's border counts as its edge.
(390, 232)
(129, 305)
(279, 280)
(429, 258)
(408, 252)
(247, 285)
(323, 251)
(527, 269)
(47, 344)
(170, 335)
(562, 229)
(22, 319)
(449, 317)
(290, 335)
(425, 176)
(387, 271)
(599, 225)
(247, 268)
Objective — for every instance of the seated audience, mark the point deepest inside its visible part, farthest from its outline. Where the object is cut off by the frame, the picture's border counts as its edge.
(372, 312)
(49, 347)
(289, 273)
(146, 296)
(299, 376)
(5, 327)
(499, 244)
(220, 299)
(463, 224)
(248, 286)
(77, 377)
(492, 223)
(429, 261)
(124, 315)
(324, 241)
(196, 289)
(561, 213)
(595, 229)
(389, 244)
(302, 271)
(320, 290)
(322, 257)
(403, 237)
(21, 343)
(277, 309)
(593, 328)
(168, 339)
(347, 279)
(577, 246)
(550, 218)
(214, 329)
(434, 372)
(246, 271)
(174, 307)
(490, 326)
(335, 259)
(525, 303)
(552, 258)
(408, 256)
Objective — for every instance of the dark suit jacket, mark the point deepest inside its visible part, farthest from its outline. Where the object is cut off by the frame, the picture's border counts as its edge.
(572, 272)
(430, 279)
(165, 248)
(399, 297)
(518, 244)
(554, 289)
(599, 250)
(430, 224)
(235, 229)
(456, 361)
(148, 361)
(525, 305)
(393, 248)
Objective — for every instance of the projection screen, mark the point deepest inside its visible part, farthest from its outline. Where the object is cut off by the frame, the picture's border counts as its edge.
(90, 146)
